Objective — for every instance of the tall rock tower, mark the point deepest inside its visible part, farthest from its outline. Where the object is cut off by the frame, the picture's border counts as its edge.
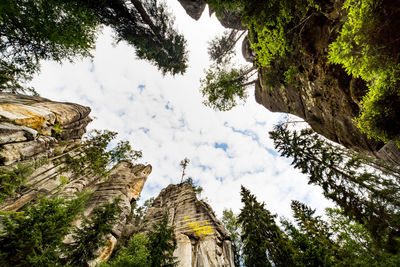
(202, 240)
(42, 133)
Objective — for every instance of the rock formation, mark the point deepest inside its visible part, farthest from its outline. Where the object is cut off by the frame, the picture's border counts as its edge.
(323, 94)
(41, 132)
(201, 238)
(194, 8)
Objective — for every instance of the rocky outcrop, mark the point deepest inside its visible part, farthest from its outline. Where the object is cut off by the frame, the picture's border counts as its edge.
(201, 238)
(227, 18)
(31, 126)
(194, 8)
(126, 182)
(322, 94)
(41, 134)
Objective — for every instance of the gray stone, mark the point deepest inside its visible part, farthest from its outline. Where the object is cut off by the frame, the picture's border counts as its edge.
(194, 8)
(201, 238)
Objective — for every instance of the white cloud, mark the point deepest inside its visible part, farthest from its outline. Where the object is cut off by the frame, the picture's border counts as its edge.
(109, 83)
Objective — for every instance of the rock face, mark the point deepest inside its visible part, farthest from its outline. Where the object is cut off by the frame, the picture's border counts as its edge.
(194, 8)
(30, 126)
(228, 19)
(201, 238)
(322, 94)
(39, 132)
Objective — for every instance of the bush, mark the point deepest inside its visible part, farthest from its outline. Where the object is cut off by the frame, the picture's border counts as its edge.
(359, 49)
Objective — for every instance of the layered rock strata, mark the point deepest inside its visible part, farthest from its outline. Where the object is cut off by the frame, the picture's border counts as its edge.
(202, 240)
(41, 133)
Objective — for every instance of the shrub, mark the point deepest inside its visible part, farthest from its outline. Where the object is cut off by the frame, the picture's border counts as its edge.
(359, 50)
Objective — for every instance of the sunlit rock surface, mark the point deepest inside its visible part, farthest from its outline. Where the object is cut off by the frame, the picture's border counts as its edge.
(201, 238)
(35, 130)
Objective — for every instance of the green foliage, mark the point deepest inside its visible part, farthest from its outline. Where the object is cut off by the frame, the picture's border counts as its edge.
(31, 31)
(196, 188)
(232, 226)
(34, 238)
(221, 48)
(223, 87)
(13, 179)
(290, 75)
(311, 239)
(359, 50)
(355, 245)
(90, 235)
(135, 254)
(271, 24)
(138, 212)
(95, 156)
(148, 26)
(162, 244)
(366, 189)
(153, 249)
(36, 30)
(263, 241)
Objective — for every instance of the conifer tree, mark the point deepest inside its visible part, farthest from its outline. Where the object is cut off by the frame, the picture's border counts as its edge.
(148, 26)
(264, 243)
(311, 239)
(232, 226)
(34, 237)
(162, 244)
(363, 187)
(90, 235)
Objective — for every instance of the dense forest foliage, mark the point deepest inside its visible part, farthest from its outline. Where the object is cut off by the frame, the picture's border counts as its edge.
(364, 228)
(366, 46)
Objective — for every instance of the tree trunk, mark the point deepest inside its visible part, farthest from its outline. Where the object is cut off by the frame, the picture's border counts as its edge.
(139, 7)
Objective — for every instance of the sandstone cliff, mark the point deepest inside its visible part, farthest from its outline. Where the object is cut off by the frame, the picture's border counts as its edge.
(38, 131)
(201, 238)
(322, 94)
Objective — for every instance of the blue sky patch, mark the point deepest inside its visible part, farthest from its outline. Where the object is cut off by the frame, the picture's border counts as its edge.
(145, 130)
(168, 106)
(141, 87)
(223, 146)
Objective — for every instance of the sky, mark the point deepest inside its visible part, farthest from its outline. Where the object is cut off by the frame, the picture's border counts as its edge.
(163, 116)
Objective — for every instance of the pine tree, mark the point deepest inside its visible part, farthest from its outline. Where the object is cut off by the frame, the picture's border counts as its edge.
(232, 226)
(90, 235)
(264, 243)
(34, 237)
(162, 244)
(366, 189)
(148, 26)
(311, 239)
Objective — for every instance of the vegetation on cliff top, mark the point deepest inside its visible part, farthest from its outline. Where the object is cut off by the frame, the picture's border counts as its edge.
(366, 46)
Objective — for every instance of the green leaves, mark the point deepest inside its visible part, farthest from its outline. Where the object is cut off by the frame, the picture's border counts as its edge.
(13, 179)
(366, 189)
(263, 241)
(365, 51)
(35, 237)
(94, 155)
(162, 244)
(223, 87)
(90, 235)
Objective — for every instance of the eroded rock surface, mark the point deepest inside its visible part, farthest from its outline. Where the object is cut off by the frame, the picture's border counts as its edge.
(31, 126)
(201, 238)
(41, 133)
